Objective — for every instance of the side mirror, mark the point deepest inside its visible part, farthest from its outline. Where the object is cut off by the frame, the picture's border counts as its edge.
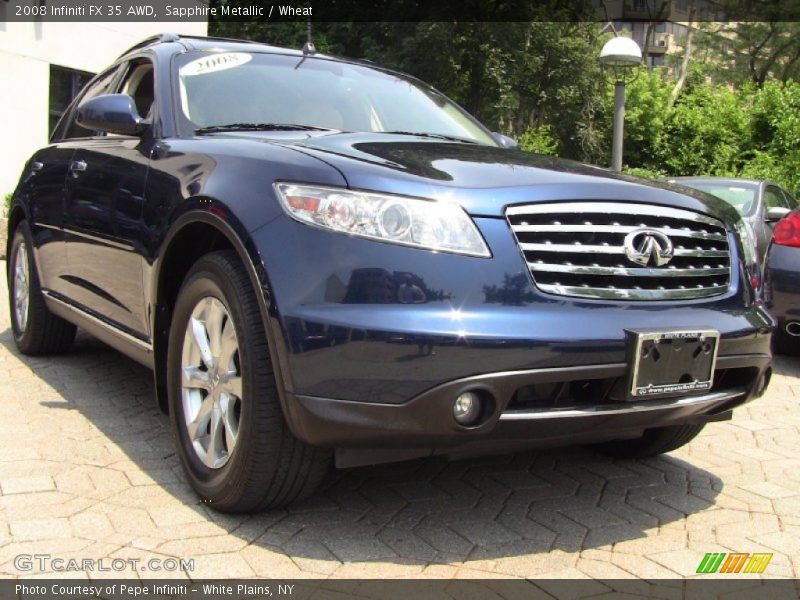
(776, 213)
(504, 140)
(111, 113)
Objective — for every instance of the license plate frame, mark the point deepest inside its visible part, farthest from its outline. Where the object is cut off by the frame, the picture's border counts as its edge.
(671, 362)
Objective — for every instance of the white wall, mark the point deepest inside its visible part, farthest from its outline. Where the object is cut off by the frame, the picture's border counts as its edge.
(26, 52)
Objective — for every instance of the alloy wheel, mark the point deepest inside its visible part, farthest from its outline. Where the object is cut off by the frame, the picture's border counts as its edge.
(21, 287)
(211, 383)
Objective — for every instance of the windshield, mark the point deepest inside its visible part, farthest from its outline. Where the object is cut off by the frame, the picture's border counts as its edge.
(225, 88)
(742, 198)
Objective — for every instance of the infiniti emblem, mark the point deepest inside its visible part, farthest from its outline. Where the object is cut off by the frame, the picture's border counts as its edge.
(648, 247)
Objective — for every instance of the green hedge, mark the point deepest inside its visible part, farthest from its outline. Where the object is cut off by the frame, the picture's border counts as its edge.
(710, 130)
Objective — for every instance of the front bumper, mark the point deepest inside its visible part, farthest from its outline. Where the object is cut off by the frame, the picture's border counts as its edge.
(585, 414)
(362, 369)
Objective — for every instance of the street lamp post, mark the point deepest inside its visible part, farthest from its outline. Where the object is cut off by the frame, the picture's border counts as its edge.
(620, 55)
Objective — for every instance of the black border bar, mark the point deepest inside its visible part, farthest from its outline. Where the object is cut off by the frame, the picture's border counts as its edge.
(222, 11)
(478, 589)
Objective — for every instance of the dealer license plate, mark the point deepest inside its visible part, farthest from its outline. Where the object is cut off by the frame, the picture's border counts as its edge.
(672, 362)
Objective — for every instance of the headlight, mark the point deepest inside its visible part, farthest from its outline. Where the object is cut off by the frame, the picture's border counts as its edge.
(428, 224)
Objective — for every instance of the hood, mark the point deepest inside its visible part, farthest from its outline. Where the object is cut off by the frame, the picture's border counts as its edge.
(483, 179)
(486, 179)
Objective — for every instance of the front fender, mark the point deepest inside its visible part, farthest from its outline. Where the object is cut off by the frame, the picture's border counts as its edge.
(211, 212)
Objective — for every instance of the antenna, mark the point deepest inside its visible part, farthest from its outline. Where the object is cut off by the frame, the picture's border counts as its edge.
(308, 47)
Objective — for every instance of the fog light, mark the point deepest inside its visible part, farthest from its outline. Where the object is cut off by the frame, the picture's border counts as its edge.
(467, 408)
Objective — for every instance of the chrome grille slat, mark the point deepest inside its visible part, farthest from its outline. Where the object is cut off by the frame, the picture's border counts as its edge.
(623, 229)
(592, 249)
(577, 249)
(611, 208)
(635, 271)
(617, 294)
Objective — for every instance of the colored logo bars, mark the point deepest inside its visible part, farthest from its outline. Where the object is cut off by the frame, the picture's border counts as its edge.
(738, 562)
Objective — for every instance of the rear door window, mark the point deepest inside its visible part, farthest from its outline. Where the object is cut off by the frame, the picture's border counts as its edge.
(790, 200)
(774, 198)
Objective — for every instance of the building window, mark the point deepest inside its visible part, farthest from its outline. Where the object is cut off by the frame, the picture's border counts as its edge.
(65, 84)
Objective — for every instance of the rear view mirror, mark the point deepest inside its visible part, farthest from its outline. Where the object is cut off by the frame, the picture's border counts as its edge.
(504, 140)
(111, 113)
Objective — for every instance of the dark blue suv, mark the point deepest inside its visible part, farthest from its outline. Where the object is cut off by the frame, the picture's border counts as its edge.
(323, 259)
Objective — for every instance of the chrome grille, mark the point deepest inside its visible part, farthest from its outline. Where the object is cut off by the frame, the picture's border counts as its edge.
(578, 249)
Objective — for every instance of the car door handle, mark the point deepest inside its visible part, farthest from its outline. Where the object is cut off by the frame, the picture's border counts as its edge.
(78, 166)
(36, 166)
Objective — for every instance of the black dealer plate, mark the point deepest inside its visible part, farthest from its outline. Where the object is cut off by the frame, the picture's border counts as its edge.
(672, 362)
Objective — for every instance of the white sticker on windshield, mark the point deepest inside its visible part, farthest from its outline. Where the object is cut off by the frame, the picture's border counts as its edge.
(214, 63)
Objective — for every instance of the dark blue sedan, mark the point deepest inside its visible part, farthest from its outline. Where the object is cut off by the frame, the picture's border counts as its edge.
(324, 260)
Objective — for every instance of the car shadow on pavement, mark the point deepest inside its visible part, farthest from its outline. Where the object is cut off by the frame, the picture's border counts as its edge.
(423, 512)
(786, 365)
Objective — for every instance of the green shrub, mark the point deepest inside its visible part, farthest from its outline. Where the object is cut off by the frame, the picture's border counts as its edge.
(646, 99)
(705, 133)
(713, 130)
(539, 139)
(645, 173)
(775, 135)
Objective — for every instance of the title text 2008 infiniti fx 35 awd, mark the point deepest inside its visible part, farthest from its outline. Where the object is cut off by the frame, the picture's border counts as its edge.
(322, 259)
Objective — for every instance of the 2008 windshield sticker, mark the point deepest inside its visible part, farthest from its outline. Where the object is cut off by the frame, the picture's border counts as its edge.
(215, 62)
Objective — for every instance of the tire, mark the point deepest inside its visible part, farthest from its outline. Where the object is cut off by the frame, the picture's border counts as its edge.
(36, 330)
(659, 440)
(254, 462)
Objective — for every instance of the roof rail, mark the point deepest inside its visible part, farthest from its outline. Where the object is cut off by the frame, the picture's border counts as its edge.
(153, 39)
(214, 38)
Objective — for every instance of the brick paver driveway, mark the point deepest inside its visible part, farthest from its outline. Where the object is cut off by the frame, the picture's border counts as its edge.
(87, 470)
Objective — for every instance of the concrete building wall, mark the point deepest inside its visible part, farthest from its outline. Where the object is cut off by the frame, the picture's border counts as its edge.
(26, 52)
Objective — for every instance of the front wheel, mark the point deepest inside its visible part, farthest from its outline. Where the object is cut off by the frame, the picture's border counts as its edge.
(658, 440)
(233, 440)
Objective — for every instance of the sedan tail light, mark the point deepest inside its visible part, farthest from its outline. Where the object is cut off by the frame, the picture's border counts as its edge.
(787, 231)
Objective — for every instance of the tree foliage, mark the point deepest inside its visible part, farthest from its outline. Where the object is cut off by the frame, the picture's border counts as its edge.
(539, 139)
(737, 112)
(510, 75)
(646, 111)
(752, 51)
(716, 130)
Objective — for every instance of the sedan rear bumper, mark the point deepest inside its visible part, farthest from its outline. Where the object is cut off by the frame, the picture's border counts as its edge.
(783, 281)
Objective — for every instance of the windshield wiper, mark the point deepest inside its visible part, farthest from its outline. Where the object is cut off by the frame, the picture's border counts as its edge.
(438, 136)
(259, 127)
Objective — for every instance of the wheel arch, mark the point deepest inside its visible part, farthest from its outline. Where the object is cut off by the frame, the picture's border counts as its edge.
(16, 215)
(208, 227)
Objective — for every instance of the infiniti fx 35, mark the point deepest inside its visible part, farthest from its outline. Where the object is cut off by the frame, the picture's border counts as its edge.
(325, 261)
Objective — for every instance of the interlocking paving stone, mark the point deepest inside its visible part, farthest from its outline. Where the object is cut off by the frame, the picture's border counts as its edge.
(97, 477)
(22, 485)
